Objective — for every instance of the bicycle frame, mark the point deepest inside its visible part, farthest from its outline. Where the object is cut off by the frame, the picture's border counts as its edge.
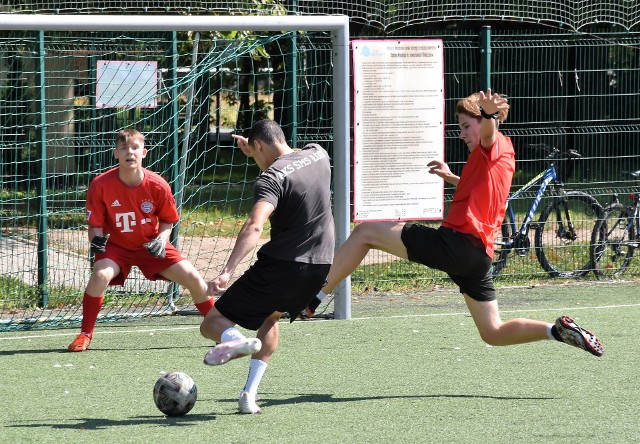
(634, 219)
(556, 215)
(543, 179)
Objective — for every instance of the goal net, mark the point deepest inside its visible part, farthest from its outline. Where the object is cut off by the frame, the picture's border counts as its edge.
(69, 83)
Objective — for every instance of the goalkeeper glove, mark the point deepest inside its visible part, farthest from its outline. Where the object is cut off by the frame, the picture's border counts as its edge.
(156, 247)
(99, 243)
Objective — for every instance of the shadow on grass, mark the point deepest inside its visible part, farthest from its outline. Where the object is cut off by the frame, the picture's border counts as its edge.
(328, 398)
(100, 424)
(192, 419)
(63, 350)
(34, 352)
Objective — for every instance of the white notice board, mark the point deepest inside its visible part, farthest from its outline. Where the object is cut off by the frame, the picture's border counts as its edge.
(398, 129)
(128, 84)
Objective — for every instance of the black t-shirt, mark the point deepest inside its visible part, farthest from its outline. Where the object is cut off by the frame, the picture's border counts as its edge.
(298, 186)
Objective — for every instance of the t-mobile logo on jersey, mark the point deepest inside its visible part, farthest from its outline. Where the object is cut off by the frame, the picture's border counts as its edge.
(126, 221)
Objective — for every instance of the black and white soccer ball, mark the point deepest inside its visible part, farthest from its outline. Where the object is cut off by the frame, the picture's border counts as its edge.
(175, 393)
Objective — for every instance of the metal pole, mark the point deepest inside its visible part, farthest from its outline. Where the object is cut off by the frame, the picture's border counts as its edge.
(141, 23)
(485, 58)
(292, 85)
(174, 139)
(173, 288)
(341, 160)
(187, 127)
(43, 291)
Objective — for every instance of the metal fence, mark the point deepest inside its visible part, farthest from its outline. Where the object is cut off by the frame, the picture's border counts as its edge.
(569, 70)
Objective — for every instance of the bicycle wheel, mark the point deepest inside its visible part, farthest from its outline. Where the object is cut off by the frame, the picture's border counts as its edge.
(501, 248)
(611, 251)
(563, 234)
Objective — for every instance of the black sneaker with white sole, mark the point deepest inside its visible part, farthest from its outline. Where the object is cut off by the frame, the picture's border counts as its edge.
(572, 334)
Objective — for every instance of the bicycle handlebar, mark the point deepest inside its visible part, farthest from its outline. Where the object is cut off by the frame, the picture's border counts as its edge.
(554, 153)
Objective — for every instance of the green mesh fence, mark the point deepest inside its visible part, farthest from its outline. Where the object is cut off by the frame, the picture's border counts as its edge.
(385, 14)
(208, 86)
(567, 90)
(569, 69)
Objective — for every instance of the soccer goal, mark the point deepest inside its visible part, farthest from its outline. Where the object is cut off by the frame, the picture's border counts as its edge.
(68, 83)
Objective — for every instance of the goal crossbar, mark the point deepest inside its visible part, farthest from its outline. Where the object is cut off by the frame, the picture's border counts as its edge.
(68, 22)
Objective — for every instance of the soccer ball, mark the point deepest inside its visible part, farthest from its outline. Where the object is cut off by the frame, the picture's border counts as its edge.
(175, 393)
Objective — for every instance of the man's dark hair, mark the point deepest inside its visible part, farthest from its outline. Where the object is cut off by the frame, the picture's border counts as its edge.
(267, 131)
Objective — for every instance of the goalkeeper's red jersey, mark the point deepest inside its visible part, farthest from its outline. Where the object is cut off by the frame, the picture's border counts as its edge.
(130, 214)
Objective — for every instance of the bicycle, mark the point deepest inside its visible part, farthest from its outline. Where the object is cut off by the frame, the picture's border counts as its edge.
(615, 236)
(562, 233)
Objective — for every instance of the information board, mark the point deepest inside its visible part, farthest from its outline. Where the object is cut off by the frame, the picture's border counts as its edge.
(398, 129)
(126, 84)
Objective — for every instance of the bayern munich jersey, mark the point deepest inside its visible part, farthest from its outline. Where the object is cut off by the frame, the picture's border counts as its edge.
(130, 214)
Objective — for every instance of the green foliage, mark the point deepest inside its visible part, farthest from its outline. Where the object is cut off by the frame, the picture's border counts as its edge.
(15, 294)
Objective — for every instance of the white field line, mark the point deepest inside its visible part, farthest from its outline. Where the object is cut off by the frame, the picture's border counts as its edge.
(528, 310)
(426, 315)
(102, 332)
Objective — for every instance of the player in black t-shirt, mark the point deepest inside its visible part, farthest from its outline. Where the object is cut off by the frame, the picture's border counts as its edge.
(293, 192)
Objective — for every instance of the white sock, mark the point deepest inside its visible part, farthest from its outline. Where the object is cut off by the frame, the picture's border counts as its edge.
(256, 371)
(549, 335)
(231, 334)
(321, 295)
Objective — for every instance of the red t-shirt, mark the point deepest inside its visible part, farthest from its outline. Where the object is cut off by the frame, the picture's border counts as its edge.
(130, 214)
(479, 202)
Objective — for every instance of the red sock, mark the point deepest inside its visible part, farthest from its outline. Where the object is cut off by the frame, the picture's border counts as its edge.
(204, 307)
(90, 310)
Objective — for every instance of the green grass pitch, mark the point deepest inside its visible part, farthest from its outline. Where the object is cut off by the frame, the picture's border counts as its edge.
(409, 368)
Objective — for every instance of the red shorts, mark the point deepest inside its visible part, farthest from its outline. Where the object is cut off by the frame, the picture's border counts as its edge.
(150, 266)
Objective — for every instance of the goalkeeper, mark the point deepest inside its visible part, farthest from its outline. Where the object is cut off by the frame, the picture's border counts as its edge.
(130, 213)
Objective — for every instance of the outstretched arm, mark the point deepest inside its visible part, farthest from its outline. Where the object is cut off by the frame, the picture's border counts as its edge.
(490, 103)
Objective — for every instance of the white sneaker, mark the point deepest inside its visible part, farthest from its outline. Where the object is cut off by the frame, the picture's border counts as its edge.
(225, 351)
(247, 403)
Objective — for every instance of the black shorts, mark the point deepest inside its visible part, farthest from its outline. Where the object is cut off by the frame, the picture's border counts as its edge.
(271, 285)
(462, 256)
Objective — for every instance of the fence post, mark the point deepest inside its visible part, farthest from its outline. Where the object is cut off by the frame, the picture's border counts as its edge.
(174, 123)
(43, 291)
(291, 117)
(485, 58)
(173, 290)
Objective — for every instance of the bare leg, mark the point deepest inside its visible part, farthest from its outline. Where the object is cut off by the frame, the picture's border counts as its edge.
(214, 324)
(496, 332)
(268, 334)
(212, 327)
(185, 274)
(383, 236)
(103, 271)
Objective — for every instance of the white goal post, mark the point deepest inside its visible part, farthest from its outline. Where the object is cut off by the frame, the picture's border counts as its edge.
(337, 25)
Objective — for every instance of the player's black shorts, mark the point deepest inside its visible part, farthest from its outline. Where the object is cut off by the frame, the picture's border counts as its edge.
(462, 256)
(271, 285)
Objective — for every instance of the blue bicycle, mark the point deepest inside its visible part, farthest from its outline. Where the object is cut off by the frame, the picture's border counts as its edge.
(563, 231)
